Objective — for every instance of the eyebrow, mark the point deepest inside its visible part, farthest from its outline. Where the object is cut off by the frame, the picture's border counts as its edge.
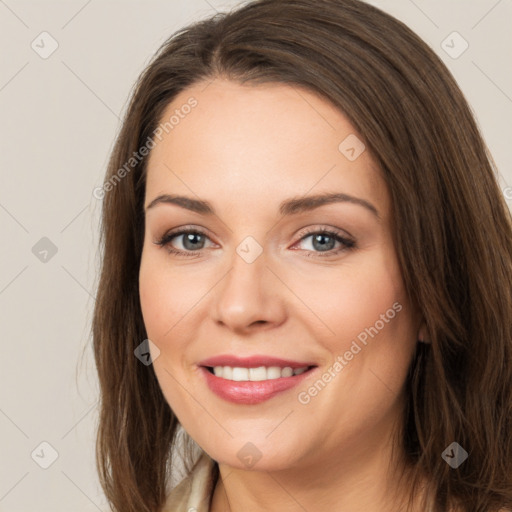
(288, 207)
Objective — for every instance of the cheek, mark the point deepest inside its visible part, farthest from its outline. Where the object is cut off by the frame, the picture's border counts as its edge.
(152, 299)
(370, 346)
(171, 299)
(161, 300)
(374, 329)
(349, 300)
(165, 301)
(165, 296)
(366, 327)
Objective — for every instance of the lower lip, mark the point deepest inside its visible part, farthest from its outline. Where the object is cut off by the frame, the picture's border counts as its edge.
(249, 392)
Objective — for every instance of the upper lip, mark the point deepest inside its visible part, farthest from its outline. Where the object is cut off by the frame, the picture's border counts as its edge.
(252, 362)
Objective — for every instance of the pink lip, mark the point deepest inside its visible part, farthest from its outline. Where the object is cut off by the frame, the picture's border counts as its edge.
(249, 392)
(252, 362)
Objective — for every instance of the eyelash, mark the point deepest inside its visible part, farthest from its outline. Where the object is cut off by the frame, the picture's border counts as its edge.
(347, 243)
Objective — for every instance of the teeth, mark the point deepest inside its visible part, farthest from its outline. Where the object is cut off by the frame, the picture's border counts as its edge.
(256, 374)
(240, 374)
(273, 372)
(286, 372)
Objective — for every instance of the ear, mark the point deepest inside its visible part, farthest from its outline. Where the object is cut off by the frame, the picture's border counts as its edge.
(422, 334)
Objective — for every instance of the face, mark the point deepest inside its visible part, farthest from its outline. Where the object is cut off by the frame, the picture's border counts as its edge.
(298, 309)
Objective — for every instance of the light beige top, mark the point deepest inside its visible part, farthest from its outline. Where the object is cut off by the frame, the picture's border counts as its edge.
(194, 493)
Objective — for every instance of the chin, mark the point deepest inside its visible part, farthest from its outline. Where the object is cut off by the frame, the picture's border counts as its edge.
(254, 454)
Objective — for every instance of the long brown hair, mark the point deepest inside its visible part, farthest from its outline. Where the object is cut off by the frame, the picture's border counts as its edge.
(452, 232)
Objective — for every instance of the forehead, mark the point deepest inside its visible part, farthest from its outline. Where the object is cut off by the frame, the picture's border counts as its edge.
(258, 144)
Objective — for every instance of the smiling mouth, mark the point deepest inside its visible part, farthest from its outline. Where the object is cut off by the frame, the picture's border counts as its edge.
(257, 374)
(251, 385)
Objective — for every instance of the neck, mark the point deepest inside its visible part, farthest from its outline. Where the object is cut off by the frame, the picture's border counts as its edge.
(363, 477)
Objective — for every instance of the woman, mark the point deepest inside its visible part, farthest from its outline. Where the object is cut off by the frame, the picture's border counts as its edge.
(303, 233)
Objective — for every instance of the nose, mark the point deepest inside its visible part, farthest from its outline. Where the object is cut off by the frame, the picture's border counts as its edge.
(250, 297)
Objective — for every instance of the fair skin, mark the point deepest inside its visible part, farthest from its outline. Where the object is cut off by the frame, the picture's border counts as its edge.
(245, 149)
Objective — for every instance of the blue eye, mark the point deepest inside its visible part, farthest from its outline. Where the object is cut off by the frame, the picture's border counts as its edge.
(323, 242)
(190, 238)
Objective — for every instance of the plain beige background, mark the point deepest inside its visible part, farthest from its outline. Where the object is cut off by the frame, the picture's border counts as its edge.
(59, 117)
